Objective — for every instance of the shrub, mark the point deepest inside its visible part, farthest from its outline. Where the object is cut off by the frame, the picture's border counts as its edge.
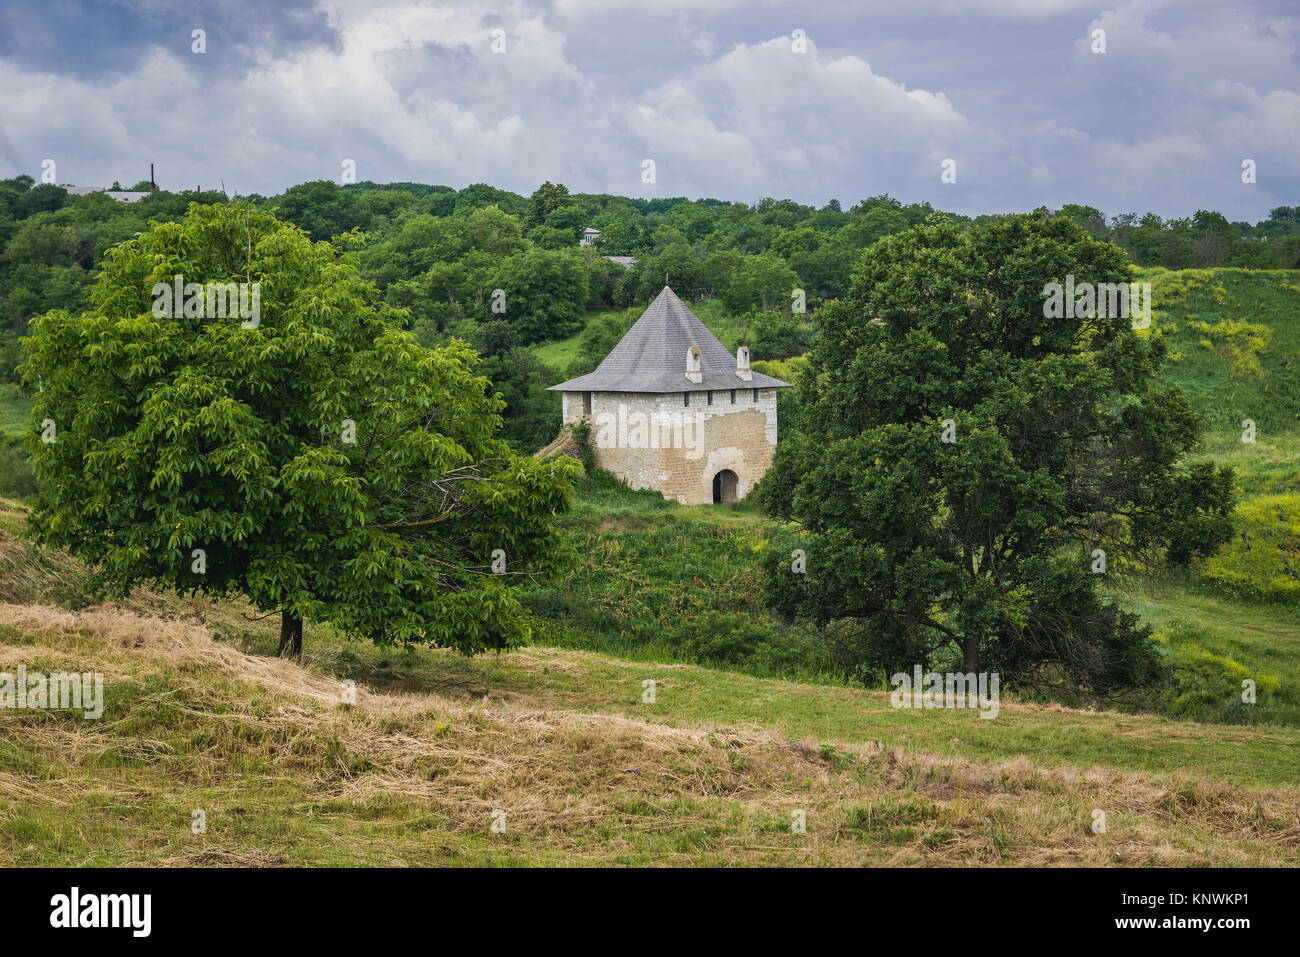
(1263, 560)
(785, 369)
(9, 356)
(774, 335)
(1241, 343)
(736, 641)
(582, 436)
(17, 480)
(1200, 685)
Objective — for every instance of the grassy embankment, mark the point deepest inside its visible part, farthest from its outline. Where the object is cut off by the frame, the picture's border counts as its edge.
(199, 717)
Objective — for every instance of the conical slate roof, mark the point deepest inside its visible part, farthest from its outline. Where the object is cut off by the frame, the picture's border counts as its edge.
(652, 357)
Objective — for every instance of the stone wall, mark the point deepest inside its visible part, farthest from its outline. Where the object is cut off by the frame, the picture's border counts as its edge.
(656, 441)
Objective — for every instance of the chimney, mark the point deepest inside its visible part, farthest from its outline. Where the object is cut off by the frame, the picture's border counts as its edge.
(153, 187)
(693, 372)
(742, 365)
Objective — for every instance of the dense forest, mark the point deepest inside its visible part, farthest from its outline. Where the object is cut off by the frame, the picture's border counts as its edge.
(443, 254)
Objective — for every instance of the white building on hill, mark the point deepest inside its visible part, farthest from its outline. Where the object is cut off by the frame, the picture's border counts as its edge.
(671, 409)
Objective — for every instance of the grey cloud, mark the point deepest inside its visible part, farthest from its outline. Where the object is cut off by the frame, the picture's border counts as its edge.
(587, 90)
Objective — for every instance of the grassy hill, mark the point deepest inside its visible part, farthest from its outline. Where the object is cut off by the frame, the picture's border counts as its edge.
(752, 720)
(1234, 344)
(200, 717)
(1234, 338)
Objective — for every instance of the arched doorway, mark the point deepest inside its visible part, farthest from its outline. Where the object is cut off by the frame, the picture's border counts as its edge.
(724, 487)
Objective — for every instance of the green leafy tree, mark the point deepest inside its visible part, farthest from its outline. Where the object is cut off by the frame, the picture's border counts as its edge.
(43, 198)
(569, 221)
(763, 282)
(962, 456)
(531, 417)
(322, 208)
(620, 237)
(313, 457)
(678, 266)
(545, 292)
(1089, 218)
(549, 237)
(722, 273)
(492, 230)
(776, 335)
(479, 195)
(547, 199)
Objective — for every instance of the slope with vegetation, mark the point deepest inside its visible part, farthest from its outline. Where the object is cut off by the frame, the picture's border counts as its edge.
(199, 717)
(754, 717)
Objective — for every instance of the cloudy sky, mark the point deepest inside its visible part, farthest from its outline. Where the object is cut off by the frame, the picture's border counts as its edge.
(725, 96)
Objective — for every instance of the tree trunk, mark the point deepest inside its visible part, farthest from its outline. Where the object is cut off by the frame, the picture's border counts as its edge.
(970, 653)
(290, 636)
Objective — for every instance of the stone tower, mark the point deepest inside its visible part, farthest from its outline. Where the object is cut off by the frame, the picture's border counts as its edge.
(671, 409)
